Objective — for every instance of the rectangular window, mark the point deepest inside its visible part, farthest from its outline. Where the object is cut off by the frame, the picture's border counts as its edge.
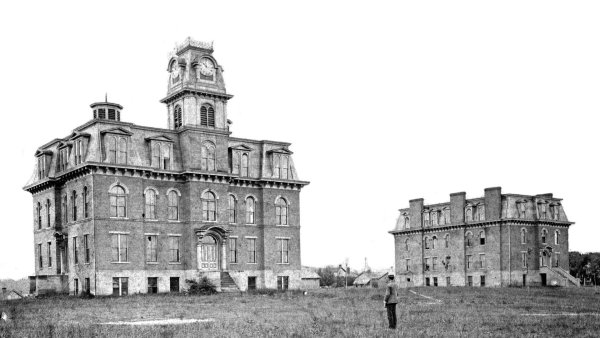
(86, 285)
(40, 259)
(86, 248)
(41, 167)
(524, 259)
(427, 265)
(252, 283)
(75, 253)
(251, 250)
(482, 261)
(435, 281)
(74, 205)
(86, 203)
(427, 283)
(48, 211)
(233, 250)
(151, 252)
(407, 264)
(152, 284)
(434, 263)
(65, 210)
(76, 286)
(556, 259)
(282, 282)
(120, 286)
(49, 254)
(481, 280)
(469, 261)
(282, 248)
(470, 280)
(119, 247)
(448, 281)
(174, 284)
(174, 256)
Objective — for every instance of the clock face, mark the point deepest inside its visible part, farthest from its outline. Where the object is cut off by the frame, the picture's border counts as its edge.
(207, 67)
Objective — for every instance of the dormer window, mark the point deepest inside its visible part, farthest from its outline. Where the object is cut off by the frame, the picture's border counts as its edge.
(41, 167)
(115, 142)
(480, 212)
(207, 157)
(521, 208)
(542, 209)
(207, 115)
(63, 158)
(555, 211)
(161, 155)
(280, 165)
(78, 151)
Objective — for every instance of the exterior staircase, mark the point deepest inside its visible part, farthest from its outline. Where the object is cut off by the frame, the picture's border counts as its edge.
(227, 283)
(572, 281)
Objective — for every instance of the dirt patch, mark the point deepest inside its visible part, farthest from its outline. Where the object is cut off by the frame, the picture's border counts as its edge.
(172, 321)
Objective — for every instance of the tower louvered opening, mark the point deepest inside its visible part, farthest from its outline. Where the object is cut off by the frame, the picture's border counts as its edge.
(207, 116)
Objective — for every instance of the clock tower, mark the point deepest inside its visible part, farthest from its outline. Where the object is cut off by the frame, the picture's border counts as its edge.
(196, 95)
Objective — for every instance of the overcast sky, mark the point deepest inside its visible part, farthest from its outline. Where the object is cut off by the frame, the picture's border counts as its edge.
(382, 101)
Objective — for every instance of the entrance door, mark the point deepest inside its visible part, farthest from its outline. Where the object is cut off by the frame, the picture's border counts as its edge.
(543, 276)
(208, 254)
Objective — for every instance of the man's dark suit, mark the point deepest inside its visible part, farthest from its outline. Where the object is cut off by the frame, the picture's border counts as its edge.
(391, 299)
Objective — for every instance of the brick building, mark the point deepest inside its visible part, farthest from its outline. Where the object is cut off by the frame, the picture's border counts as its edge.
(495, 240)
(120, 208)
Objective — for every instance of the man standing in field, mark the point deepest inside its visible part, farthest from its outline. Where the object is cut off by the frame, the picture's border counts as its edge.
(390, 301)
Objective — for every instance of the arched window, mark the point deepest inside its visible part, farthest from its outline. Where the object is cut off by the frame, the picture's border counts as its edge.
(406, 222)
(434, 217)
(86, 202)
(556, 237)
(434, 242)
(426, 242)
(523, 236)
(482, 237)
(173, 209)
(426, 219)
(250, 210)
(118, 205)
(481, 212)
(74, 205)
(150, 204)
(281, 211)
(48, 211)
(406, 244)
(469, 238)
(39, 214)
(122, 151)
(231, 209)
(446, 240)
(244, 171)
(469, 214)
(111, 149)
(208, 157)
(177, 116)
(544, 235)
(207, 115)
(209, 207)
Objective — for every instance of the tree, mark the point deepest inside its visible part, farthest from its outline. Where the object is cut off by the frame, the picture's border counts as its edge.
(327, 275)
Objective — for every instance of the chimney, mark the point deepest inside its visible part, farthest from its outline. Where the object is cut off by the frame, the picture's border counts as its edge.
(457, 207)
(416, 213)
(493, 203)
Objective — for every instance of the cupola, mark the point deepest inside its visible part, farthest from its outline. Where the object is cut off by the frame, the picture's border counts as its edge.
(107, 110)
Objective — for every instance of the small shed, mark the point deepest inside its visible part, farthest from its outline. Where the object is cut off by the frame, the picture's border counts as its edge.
(309, 279)
(371, 279)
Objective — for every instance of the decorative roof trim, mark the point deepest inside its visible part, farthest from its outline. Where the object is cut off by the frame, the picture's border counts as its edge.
(117, 131)
(162, 138)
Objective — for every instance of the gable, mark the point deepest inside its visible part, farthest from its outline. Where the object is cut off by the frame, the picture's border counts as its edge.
(117, 131)
(160, 138)
(241, 147)
(280, 151)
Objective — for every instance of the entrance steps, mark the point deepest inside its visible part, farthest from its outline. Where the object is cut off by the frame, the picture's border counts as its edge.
(221, 279)
(227, 283)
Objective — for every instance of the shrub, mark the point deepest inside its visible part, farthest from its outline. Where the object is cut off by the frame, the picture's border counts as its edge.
(204, 287)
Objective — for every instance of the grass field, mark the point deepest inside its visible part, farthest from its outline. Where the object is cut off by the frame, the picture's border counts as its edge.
(453, 311)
